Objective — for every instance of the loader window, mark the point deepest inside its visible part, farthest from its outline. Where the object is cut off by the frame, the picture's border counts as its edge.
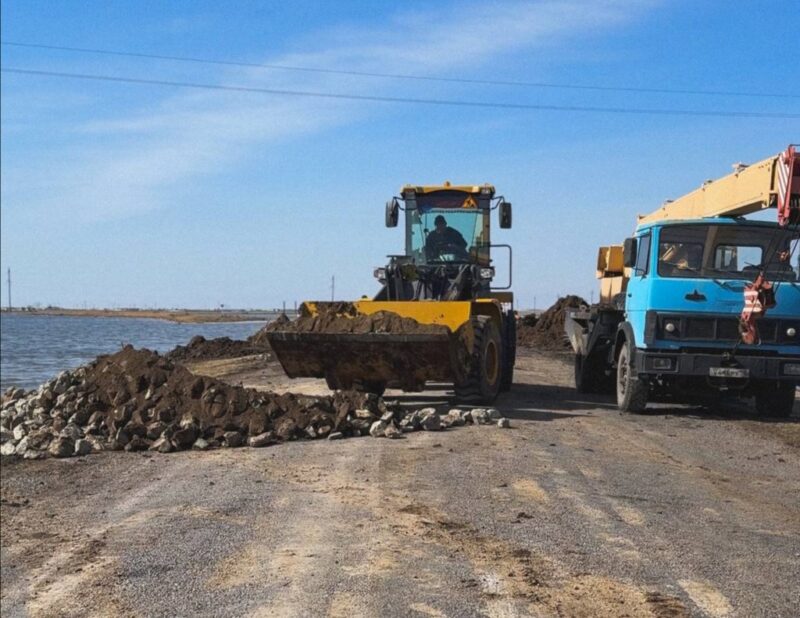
(460, 239)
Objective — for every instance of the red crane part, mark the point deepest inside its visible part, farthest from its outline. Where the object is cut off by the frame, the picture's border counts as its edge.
(759, 296)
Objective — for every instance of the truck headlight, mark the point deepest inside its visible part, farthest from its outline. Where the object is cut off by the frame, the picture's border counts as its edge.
(791, 332)
(487, 273)
(664, 364)
(791, 369)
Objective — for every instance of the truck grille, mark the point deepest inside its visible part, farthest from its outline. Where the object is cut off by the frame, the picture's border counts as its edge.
(724, 328)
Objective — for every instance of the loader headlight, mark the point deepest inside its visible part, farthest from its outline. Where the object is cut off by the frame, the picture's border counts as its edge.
(379, 274)
(487, 273)
(791, 369)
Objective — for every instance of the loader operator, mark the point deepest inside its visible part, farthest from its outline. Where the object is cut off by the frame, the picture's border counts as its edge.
(444, 239)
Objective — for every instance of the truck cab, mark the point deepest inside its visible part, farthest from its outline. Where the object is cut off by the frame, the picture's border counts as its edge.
(680, 330)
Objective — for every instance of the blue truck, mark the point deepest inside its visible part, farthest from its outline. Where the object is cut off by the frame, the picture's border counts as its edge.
(701, 302)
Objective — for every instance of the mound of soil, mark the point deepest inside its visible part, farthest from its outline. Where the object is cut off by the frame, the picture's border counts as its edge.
(547, 331)
(199, 348)
(345, 318)
(260, 338)
(137, 399)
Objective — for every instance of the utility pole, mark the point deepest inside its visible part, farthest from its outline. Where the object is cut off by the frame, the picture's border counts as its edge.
(9, 289)
(333, 286)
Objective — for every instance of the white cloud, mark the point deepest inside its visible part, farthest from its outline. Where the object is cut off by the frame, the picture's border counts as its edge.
(130, 164)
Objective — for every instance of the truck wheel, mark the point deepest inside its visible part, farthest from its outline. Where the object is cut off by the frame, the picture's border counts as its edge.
(486, 370)
(631, 391)
(775, 399)
(584, 376)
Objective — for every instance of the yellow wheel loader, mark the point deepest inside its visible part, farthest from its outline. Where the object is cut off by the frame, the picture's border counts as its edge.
(443, 279)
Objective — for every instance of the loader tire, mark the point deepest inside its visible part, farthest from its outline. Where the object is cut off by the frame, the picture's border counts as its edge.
(632, 392)
(486, 364)
(509, 353)
(377, 388)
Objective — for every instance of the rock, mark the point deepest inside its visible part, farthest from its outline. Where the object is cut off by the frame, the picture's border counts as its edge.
(6, 435)
(62, 446)
(200, 445)
(504, 423)
(392, 432)
(387, 417)
(186, 436)
(453, 418)
(378, 428)
(162, 445)
(121, 437)
(8, 449)
(259, 423)
(410, 422)
(431, 421)
(97, 443)
(233, 439)
(83, 447)
(81, 416)
(22, 446)
(364, 413)
(19, 432)
(33, 454)
(480, 416)
(155, 429)
(263, 439)
(137, 443)
(494, 414)
(72, 431)
(335, 435)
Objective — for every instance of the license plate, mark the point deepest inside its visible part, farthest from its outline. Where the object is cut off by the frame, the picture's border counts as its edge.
(728, 372)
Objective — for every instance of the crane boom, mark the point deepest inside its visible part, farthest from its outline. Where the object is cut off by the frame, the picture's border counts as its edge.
(773, 182)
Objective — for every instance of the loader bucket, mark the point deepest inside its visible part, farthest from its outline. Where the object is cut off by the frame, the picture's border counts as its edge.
(399, 359)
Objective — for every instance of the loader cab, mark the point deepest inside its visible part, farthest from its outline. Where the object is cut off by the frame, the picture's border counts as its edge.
(447, 243)
(465, 234)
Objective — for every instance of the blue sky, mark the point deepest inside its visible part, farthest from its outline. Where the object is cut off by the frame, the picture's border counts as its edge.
(141, 195)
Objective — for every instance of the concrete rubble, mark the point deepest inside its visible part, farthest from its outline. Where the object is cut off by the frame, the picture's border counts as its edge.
(138, 400)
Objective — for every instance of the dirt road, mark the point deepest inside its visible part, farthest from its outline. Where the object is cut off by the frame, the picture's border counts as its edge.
(575, 511)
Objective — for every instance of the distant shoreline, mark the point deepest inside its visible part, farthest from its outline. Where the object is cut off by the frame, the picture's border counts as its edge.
(188, 316)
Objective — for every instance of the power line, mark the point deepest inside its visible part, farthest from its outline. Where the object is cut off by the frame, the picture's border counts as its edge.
(456, 80)
(387, 99)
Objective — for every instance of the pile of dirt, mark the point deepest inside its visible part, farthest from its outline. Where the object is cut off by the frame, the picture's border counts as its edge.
(345, 318)
(547, 331)
(260, 338)
(199, 348)
(137, 399)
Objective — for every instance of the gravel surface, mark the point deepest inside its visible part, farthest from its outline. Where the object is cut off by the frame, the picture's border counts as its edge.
(574, 511)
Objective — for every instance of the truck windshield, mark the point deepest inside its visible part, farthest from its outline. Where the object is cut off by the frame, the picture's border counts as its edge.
(728, 252)
(442, 233)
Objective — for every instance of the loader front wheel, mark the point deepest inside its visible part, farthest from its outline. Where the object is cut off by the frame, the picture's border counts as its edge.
(486, 364)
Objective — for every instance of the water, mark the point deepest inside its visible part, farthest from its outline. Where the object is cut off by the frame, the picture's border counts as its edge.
(33, 349)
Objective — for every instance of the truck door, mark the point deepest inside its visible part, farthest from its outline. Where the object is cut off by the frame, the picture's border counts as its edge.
(637, 300)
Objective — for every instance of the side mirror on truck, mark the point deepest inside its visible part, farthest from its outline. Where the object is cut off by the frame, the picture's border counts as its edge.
(505, 215)
(392, 212)
(629, 253)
